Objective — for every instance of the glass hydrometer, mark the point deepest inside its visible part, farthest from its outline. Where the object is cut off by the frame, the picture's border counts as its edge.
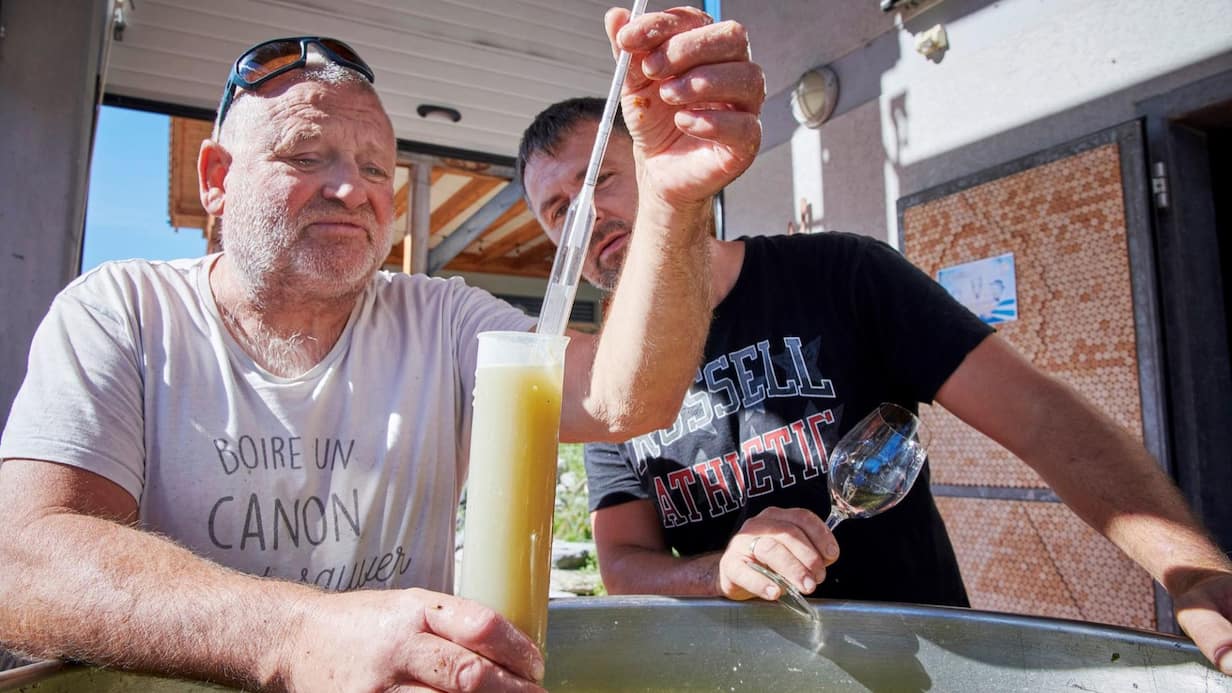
(580, 220)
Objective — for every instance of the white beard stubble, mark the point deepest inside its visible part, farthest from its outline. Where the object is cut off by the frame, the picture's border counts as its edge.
(268, 248)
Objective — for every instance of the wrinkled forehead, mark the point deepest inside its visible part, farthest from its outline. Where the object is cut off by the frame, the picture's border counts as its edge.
(296, 103)
(554, 171)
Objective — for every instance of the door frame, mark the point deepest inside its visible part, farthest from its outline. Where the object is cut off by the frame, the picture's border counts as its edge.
(1194, 325)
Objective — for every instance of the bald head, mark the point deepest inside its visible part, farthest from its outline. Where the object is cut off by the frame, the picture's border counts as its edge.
(246, 110)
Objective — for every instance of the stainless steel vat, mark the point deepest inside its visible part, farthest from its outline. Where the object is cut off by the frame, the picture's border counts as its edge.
(654, 643)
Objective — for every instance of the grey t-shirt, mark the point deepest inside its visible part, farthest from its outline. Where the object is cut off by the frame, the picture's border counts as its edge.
(347, 476)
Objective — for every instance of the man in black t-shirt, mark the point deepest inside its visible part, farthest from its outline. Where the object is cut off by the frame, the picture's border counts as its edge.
(785, 373)
(810, 333)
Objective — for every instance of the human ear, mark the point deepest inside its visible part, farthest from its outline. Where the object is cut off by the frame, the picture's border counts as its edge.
(213, 162)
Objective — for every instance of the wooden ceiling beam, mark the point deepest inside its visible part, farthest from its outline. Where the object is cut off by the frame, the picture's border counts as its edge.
(535, 254)
(510, 214)
(402, 198)
(523, 235)
(474, 227)
(462, 200)
(474, 265)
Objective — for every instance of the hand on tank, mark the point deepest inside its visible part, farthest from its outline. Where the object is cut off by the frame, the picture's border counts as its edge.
(1204, 612)
(407, 640)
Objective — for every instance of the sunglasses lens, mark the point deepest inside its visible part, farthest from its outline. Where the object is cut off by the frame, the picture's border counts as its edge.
(345, 52)
(267, 59)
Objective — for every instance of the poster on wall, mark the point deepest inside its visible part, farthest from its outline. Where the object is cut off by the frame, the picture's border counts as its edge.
(986, 287)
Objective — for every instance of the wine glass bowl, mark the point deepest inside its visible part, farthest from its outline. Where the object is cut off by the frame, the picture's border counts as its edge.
(875, 464)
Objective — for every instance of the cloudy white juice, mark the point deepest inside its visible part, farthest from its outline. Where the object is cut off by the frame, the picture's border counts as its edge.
(511, 488)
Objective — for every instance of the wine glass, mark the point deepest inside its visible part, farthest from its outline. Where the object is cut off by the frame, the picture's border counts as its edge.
(872, 468)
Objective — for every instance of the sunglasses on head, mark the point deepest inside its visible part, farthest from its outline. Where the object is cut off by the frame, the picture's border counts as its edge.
(267, 60)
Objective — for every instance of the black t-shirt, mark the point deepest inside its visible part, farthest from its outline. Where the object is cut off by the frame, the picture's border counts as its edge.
(817, 331)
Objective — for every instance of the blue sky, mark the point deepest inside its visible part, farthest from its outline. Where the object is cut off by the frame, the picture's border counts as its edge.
(126, 213)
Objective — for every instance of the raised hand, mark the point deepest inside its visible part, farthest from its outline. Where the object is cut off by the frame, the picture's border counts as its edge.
(691, 101)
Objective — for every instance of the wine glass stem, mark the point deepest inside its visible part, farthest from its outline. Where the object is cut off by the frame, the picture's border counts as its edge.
(833, 520)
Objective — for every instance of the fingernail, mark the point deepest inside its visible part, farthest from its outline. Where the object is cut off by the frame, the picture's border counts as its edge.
(1223, 659)
(653, 64)
(809, 585)
(771, 593)
(537, 670)
(831, 551)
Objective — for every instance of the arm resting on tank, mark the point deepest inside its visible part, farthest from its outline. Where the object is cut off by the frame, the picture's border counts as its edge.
(79, 581)
(1103, 474)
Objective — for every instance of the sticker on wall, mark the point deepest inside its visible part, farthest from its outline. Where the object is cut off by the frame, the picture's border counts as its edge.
(986, 287)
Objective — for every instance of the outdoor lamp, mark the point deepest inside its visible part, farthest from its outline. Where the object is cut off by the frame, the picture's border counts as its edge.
(814, 96)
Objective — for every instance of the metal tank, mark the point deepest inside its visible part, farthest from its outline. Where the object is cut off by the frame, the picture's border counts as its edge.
(664, 644)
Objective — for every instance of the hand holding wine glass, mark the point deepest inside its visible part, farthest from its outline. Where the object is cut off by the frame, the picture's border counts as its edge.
(872, 468)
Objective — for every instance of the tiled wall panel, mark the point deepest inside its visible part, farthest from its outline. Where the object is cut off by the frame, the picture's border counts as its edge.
(1040, 559)
(1065, 223)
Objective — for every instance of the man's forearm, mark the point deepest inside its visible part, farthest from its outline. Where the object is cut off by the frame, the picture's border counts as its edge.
(85, 588)
(656, 326)
(1101, 472)
(1133, 502)
(633, 570)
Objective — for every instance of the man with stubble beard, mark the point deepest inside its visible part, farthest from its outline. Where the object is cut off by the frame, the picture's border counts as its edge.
(810, 333)
(212, 462)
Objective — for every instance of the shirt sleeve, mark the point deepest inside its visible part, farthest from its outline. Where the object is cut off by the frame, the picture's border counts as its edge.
(474, 311)
(81, 403)
(922, 332)
(609, 479)
(479, 311)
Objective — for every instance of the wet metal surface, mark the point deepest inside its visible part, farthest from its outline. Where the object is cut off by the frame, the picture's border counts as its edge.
(653, 643)
(665, 644)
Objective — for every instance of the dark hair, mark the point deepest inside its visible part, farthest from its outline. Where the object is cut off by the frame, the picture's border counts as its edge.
(552, 124)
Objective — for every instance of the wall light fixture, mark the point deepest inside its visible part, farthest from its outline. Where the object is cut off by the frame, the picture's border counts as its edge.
(442, 113)
(814, 97)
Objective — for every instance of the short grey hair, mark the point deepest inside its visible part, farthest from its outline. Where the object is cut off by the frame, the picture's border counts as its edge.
(317, 70)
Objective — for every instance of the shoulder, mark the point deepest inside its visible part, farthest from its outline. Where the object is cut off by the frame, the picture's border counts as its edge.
(130, 282)
(808, 244)
(127, 299)
(401, 281)
(139, 271)
(440, 299)
(421, 288)
(828, 255)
